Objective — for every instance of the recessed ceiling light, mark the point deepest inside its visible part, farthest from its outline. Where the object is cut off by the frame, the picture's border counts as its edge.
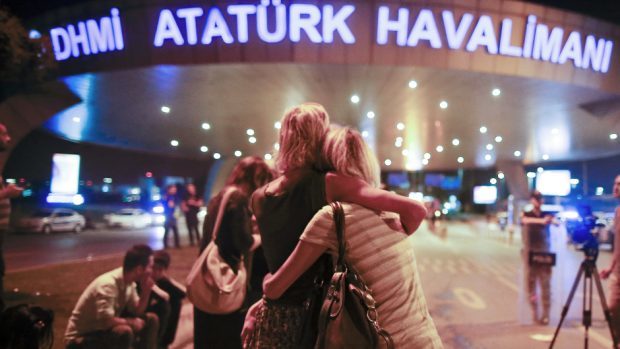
(545, 157)
(249, 132)
(276, 146)
(267, 156)
(540, 170)
(238, 153)
(460, 160)
(252, 140)
(424, 161)
(487, 157)
(427, 156)
(483, 129)
(204, 149)
(439, 148)
(493, 181)
(613, 136)
(456, 142)
(413, 84)
(217, 156)
(400, 126)
(355, 99)
(370, 114)
(399, 139)
(398, 144)
(517, 153)
(498, 139)
(365, 134)
(206, 126)
(387, 162)
(174, 143)
(489, 146)
(165, 109)
(500, 175)
(496, 92)
(443, 104)
(277, 125)
(405, 152)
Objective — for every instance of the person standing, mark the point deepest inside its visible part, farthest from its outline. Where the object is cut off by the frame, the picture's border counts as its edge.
(614, 268)
(171, 201)
(190, 207)
(536, 239)
(7, 192)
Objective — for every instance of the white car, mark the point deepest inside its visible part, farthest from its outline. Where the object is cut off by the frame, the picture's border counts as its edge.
(129, 218)
(48, 221)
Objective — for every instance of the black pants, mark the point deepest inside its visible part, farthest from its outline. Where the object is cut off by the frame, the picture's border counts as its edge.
(171, 224)
(217, 331)
(192, 229)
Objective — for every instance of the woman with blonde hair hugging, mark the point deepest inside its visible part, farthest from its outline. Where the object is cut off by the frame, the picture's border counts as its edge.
(284, 207)
(383, 257)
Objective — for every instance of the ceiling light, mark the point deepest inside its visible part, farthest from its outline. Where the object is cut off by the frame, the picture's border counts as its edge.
(405, 152)
(355, 99)
(498, 139)
(545, 157)
(439, 148)
(276, 146)
(489, 146)
(387, 162)
(483, 129)
(217, 156)
(238, 153)
(460, 160)
(399, 139)
(443, 104)
(249, 132)
(493, 181)
(370, 114)
(252, 140)
(424, 161)
(500, 175)
(413, 84)
(400, 126)
(496, 92)
(277, 125)
(165, 109)
(76, 119)
(427, 156)
(540, 170)
(365, 134)
(204, 149)
(531, 175)
(174, 143)
(517, 153)
(613, 136)
(206, 126)
(456, 142)
(487, 157)
(267, 156)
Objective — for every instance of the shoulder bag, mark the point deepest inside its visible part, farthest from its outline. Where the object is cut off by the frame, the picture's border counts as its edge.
(212, 285)
(348, 317)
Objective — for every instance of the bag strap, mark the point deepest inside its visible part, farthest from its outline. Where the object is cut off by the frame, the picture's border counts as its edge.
(339, 221)
(220, 213)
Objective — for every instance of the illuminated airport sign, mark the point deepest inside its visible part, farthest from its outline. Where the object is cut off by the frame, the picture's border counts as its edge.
(272, 22)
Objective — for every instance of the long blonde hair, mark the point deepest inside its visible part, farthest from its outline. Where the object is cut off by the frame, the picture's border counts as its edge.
(346, 152)
(302, 132)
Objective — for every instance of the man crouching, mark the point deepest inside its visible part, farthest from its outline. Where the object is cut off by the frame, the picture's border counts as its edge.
(110, 313)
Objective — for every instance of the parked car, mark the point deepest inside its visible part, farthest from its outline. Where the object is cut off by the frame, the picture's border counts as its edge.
(47, 221)
(129, 218)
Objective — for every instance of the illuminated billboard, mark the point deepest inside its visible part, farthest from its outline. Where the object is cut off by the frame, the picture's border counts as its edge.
(65, 173)
(553, 182)
(485, 194)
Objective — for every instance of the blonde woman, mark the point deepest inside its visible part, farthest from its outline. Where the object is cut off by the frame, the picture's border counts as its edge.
(284, 207)
(382, 257)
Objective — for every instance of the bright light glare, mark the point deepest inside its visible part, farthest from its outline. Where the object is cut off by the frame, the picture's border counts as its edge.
(238, 153)
(387, 162)
(252, 140)
(277, 125)
(496, 92)
(370, 114)
(206, 126)
(439, 148)
(487, 157)
(489, 146)
(443, 105)
(483, 129)
(517, 153)
(204, 149)
(499, 139)
(460, 159)
(174, 143)
(165, 109)
(249, 132)
(217, 156)
(400, 126)
(613, 136)
(456, 142)
(413, 84)
(355, 99)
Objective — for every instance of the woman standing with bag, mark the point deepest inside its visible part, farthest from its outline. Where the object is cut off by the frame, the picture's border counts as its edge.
(284, 207)
(234, 240)
(382, 257)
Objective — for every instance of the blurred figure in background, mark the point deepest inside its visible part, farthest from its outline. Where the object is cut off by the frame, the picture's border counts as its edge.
(170, 202)
(190, 207)
(26, 327)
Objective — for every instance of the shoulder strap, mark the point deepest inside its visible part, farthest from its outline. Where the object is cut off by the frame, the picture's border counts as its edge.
(338, 212)
(220, 213)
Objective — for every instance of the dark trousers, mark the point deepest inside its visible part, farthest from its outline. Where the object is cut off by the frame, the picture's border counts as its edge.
(192, 229)
(171, 224)
(217, 331)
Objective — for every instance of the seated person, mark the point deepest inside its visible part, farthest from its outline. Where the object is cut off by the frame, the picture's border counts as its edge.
(166, 300)
(110, 313)
(26, 327)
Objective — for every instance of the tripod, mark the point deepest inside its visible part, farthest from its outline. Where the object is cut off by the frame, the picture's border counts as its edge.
(587, 269)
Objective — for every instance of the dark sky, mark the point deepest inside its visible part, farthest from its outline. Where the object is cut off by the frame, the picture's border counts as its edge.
(603, 9)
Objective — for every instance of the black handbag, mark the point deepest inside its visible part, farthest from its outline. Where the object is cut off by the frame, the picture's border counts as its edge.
(348, 317)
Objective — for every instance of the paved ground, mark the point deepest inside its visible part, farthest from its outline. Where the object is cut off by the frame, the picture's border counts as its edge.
(471, 273)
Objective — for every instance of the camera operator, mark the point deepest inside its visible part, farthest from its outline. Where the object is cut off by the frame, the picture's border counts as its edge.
(535, 239)
(614, 268)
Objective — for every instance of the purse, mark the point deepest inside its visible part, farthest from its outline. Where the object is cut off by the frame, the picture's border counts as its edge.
(348, 317)
(212, 285)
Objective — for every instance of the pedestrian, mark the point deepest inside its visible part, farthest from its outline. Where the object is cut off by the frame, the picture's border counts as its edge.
(190, 207)
(110, 313)
(7, 192)
(613, 271)
(235, 241)
(402, 313)
(284, 207)
(171, 202)
(535, 238)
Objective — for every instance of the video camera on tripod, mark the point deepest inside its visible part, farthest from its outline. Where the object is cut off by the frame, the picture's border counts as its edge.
(584, 233)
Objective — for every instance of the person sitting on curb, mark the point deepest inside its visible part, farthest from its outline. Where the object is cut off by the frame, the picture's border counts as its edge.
(110, 313)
